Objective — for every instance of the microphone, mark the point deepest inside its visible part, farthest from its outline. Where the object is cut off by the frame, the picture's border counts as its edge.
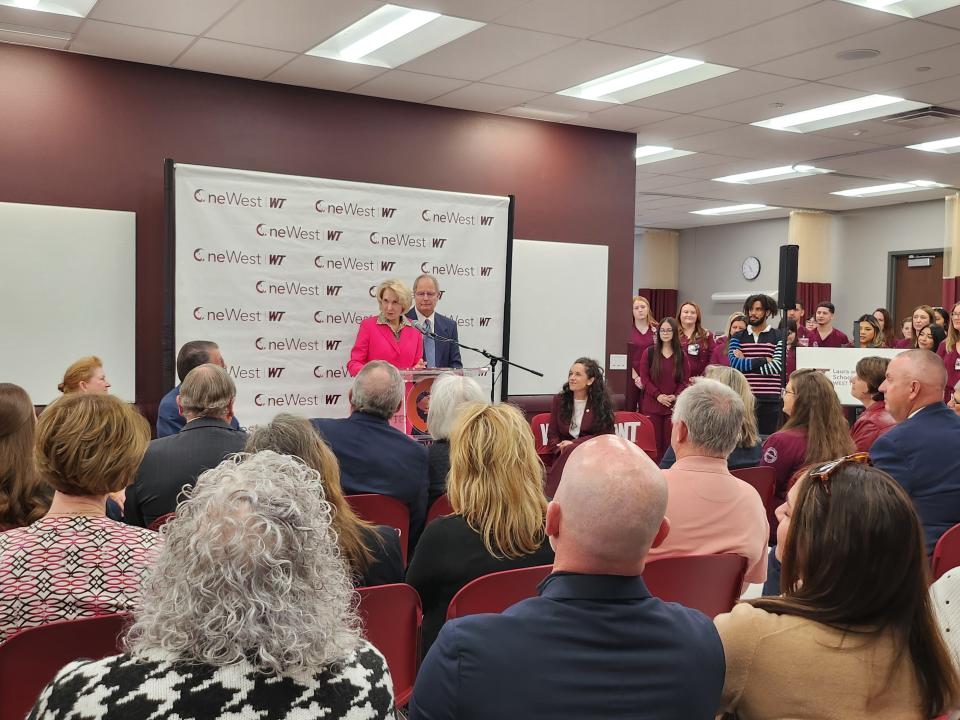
(423, 331)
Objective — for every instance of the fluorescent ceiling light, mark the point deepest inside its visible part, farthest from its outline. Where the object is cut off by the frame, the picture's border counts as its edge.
(906, 8)
(650, 78)
(734, 209)
(655, 153)
(393, 35)
(28, 32)
(773, 174)
(891, 188)
(841, 113)
(73, 8)
(946, 146)
(532, 113)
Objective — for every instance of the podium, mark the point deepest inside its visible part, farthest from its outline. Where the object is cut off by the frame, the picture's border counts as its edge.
(411, 418)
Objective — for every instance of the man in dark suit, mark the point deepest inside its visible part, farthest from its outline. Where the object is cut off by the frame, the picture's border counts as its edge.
(206, 401)
(594, 644)
(375, 457)
(193, 354)
(436, 353)
(919, 452)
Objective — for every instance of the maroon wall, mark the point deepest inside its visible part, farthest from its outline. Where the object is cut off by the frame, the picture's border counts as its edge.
(89, 132)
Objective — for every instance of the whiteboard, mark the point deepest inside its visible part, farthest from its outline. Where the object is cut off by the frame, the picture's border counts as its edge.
(558, 311)
(67, 289)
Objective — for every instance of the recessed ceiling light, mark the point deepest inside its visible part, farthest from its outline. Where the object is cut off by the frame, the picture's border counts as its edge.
(393, 35)
(734, 209)
(906, 8)
(773, 174)
(74, 8)
(857, 54)
(841, 113)
(655, 153)
(650, 78)
(946, 146)
(525, 111)
(891, 188)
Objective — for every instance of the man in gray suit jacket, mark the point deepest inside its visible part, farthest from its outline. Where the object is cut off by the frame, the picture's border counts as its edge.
(206, 401)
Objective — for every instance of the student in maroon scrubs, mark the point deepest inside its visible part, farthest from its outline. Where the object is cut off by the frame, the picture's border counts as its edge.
(666, 373)
(642, 335)
(697, 341)
(825, 334)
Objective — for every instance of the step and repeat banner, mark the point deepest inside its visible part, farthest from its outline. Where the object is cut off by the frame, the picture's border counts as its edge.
(279, 270)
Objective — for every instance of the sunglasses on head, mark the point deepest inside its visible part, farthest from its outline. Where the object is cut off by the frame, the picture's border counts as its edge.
(822, 473)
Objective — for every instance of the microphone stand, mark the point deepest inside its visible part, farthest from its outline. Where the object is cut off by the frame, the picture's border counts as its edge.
(493, 359)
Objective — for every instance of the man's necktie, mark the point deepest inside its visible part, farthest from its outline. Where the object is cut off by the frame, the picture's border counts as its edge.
(429, 348)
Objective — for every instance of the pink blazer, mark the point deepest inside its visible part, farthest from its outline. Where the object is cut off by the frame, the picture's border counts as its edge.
(377, 342)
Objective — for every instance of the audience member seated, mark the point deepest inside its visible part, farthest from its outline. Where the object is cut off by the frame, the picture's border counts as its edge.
(642, 336)
(874, 421)
(193, 354)
(736, 324)
(931, 338)
(747, 452)
(498, 505)
(711, 511)
(23, 497)
(206, 401)
(594, 644)
(870, 335)
(945, 596)
(913, 390)
(824, 334)
(666, 373)
(85, 376)
(581, 410)
(922, 316)
(447, 395)
(248, 614)
(74, 561)
(853, 635)
(906, 332)
(697, 342)
(950, 350)
(375, 457)
(941, 317)
(887, 329)
(371, 552)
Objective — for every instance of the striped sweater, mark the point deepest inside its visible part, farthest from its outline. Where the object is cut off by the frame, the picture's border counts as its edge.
(763, 377)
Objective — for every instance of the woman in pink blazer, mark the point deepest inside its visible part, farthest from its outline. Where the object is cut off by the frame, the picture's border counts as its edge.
(388, 336)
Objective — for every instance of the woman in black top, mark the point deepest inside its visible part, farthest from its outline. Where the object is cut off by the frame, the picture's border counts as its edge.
(494, 487)
(372, 552)
(448, 393)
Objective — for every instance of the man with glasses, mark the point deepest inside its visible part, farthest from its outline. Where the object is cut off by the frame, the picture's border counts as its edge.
(436, 353)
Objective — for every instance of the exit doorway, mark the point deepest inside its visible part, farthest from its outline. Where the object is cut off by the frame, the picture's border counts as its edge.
(915, 278)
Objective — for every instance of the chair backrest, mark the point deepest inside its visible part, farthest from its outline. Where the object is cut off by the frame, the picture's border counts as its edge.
(539, 425)
(638, 429)
(946, 554)
(31, 658)
(384, 510)
(764, 480)
(161, 521)
(709, 583)
(497, 591)
(391, 616)
(439, 508)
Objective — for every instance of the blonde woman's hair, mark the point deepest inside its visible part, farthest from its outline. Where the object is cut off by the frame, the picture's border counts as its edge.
(90, 444)
(404, 295)
(734, 379)
(78, 372)
(953, 337)
(496, 480)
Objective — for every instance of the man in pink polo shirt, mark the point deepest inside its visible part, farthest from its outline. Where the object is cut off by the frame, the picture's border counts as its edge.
(824, 334)
(711, 511)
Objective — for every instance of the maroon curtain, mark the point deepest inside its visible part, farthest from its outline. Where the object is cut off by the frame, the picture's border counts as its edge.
(662, 302)
(951, 292)
(812, 293)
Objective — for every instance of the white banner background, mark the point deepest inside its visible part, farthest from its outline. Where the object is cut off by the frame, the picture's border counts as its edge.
(279, 270)
(840, 365)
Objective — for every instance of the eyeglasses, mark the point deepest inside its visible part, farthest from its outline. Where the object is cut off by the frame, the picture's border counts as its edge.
(425, 294)
(825, 471)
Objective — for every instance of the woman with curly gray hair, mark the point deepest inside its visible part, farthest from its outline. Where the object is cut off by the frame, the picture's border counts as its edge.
(248, 613)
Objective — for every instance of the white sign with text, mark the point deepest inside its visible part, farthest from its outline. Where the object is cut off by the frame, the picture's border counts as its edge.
(840, 365)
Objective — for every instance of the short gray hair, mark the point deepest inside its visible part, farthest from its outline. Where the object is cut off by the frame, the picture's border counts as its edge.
(377, 389)
(713, 413)
(427, 276)
(207, 391)
(447, 394)
(250, 570)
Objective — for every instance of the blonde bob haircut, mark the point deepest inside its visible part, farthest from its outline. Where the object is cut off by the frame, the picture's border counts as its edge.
(403, 292)
(90, 444)
(495, 480)
(734, 379)
(79, 372)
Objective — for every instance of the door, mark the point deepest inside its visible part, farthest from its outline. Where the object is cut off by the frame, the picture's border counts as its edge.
(914, 286)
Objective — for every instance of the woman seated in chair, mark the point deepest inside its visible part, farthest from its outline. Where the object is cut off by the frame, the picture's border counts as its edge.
(853, 635)
(448, 394)
(23, 497)
(248, 614)
(495, 490)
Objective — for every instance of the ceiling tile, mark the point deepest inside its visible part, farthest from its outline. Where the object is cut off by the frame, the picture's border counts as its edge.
(35, 19)
(577, 18)
(694, 21)
(484, 98)
(723, 89)
(294, 25)
(179, 16)
(889, 76)
(412, 87)
(778, 148)
(624, 117)
(894, 42)
(679, 127)
(700, 165)
(571, 65)
(129, 43)
(937, 91)
(226, 58)
(950, 17)
(324, 74)
(482, 10)
(659, 182)
(484, 52)
(790, 100)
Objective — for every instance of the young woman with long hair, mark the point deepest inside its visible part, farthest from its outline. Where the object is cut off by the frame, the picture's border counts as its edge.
(666, 372)
(853, 635)
(930, 338)
(495, 490)
(23, 497)
(887, 328)
(950, 350)
(870, 335)
(697, 342)
(735, 324)
(642, 336)
(922, 316)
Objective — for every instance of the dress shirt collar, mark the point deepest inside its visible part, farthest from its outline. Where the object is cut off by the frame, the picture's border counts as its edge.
(404, 322)
(432, 318)
(579, 586)
(206, 422)
(702, 463)
(931, 405)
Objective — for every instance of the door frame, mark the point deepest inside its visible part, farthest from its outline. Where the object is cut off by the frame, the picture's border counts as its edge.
(892, 269)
